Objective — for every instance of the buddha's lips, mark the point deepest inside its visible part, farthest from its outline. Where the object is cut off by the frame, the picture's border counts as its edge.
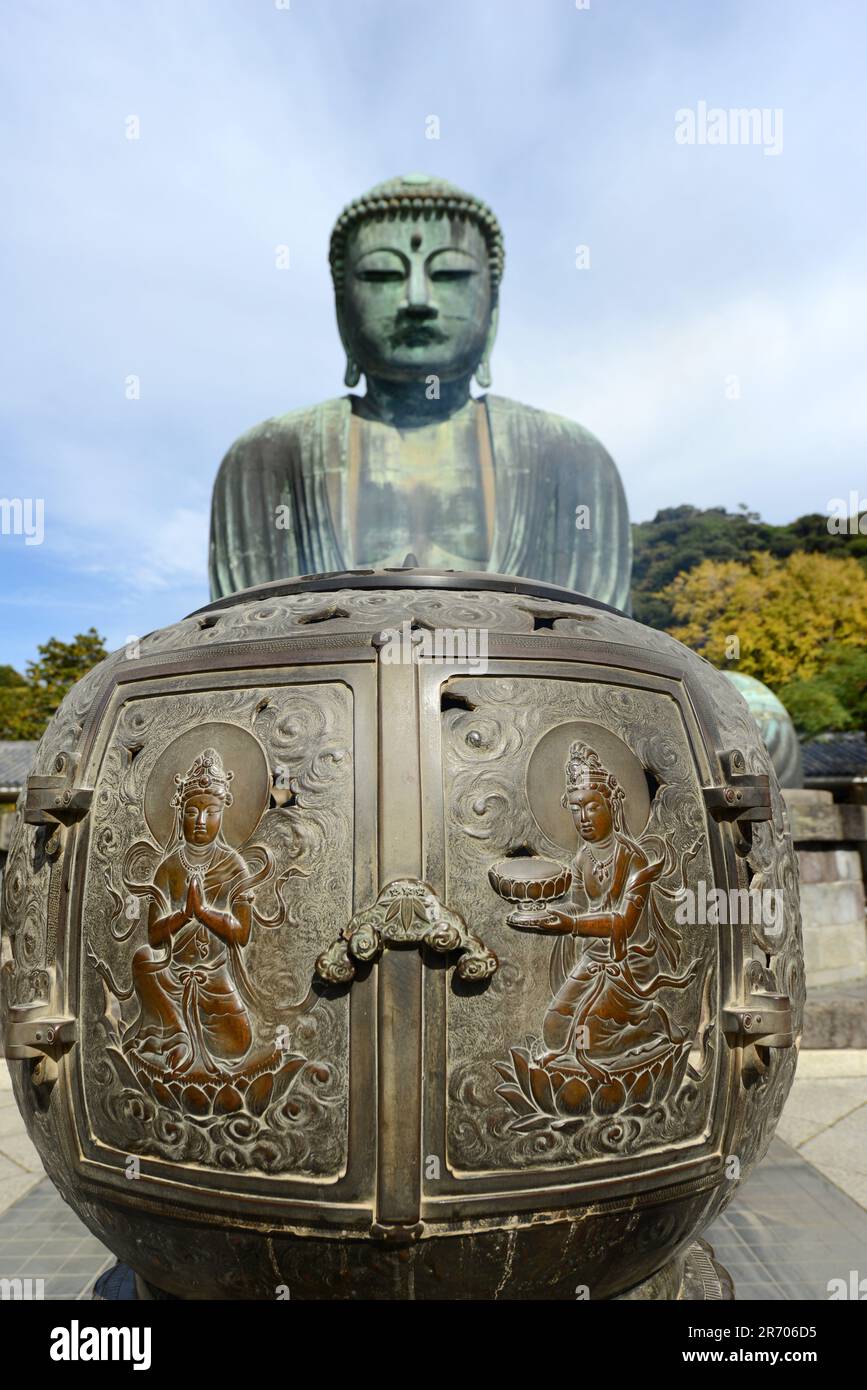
(418, 335)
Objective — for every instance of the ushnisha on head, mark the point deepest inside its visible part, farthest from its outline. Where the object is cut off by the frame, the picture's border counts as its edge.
(202, 796)
(417, 265)
(593, 794)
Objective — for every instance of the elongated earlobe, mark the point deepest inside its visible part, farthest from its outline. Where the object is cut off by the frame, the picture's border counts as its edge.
(483, 370)
(352, 375)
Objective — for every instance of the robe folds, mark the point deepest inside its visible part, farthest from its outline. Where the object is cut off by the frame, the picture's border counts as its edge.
(547, 470)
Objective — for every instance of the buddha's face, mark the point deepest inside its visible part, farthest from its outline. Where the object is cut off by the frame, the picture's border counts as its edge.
(203, 816)
(591, 814)
(416, 298)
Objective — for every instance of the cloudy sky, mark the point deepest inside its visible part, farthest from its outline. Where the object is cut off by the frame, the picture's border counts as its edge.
(716, 343)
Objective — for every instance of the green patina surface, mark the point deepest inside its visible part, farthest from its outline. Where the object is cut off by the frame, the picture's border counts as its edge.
(418, 467)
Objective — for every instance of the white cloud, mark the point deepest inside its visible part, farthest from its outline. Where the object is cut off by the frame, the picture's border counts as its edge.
(656, 396)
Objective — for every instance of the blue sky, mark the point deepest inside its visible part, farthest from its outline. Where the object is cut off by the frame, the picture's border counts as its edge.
(156, 257)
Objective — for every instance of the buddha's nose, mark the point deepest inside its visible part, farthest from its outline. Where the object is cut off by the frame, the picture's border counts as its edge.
(417, 300)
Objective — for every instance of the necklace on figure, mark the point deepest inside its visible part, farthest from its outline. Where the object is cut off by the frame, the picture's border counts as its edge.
(602, 863)
(200, 867)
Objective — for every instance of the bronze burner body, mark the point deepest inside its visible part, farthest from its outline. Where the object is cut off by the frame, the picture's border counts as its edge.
(268, 1020)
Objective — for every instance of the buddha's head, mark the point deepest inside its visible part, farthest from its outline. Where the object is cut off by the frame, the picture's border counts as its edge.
(416, 265)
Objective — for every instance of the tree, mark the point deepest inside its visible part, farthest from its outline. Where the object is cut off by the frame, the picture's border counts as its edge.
(27, 705)
(680, 538)
(837, 699)
(794, 619)
(13, 698)
(814, 708)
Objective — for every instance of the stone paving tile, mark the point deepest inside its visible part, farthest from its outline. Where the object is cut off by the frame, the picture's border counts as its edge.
(813, 1106)
(11, 1189)
(840, 1154)
(20, 1164)
(8, 1169)
(10, 1122)
(789, 1231)
(21, 1150)
(853, 1184)
(42, 1238)
(825, 1117)
(832, 1062)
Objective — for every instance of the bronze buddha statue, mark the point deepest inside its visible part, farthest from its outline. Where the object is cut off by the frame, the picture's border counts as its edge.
(417, 470)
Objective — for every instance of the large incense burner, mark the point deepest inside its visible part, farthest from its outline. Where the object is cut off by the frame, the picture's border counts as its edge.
(353, 947)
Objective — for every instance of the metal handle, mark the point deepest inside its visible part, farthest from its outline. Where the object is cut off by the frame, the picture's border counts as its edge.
(407, 912)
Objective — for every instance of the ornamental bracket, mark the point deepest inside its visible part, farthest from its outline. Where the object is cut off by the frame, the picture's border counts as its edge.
(406, 913)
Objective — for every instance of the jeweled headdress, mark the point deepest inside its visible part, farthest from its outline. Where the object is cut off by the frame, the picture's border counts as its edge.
(585, 770)
(415, 195)
(206, 777)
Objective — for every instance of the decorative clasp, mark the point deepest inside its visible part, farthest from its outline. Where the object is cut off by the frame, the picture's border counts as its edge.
(407, 912)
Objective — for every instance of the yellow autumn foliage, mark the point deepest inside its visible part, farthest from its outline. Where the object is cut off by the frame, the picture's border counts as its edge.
(784, 613)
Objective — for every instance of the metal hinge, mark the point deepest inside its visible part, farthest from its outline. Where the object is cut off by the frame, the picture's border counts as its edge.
(764, 1019)
(37, 1037)
(744, 796)
(52, 801)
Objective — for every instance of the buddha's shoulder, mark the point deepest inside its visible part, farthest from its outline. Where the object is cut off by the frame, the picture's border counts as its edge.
(548, 426)
(279, 433)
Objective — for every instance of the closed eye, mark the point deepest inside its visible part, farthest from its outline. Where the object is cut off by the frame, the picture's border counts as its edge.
(445, 275)
(380, 277)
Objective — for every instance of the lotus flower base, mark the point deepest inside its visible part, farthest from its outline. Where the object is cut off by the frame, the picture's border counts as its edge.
(249, 1089)
(562, 1095)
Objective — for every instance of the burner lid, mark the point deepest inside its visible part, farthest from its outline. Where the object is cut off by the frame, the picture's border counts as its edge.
(405, 578)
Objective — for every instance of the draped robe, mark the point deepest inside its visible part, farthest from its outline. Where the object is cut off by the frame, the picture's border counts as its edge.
(545, 468)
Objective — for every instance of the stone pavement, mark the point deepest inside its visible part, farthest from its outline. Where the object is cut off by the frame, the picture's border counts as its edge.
(40, 1237)
(799, 1221)
(788, 1232)
(825, 1119)
(20, 1167)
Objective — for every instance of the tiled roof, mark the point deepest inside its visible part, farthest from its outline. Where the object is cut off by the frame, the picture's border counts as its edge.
(16, 760)
(835, 755)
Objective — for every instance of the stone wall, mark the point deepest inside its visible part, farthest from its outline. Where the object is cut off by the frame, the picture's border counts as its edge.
(831, 840)
(7, 823)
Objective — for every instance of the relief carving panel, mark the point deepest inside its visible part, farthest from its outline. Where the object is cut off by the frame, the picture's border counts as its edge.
(580, 805)
(221, 853)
